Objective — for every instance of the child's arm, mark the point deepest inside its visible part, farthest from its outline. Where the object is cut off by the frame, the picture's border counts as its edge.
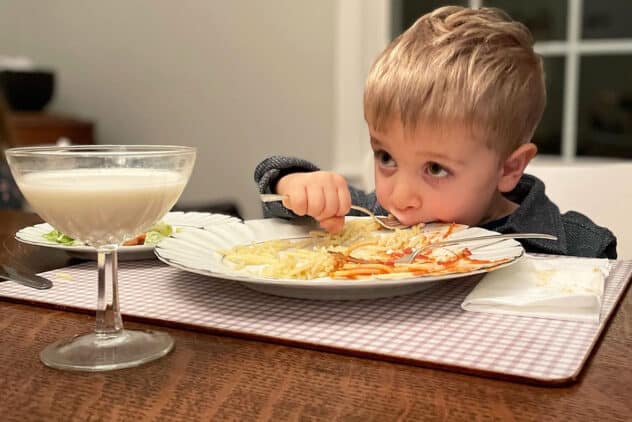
(322, 195)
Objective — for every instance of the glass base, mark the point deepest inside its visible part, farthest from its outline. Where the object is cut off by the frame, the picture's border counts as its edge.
(105, 352)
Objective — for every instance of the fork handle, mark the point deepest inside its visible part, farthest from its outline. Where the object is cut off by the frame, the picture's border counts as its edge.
(273, 197)
(493, 236)
(410, 258)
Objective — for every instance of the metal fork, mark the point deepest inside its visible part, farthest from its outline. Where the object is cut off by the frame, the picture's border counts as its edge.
(407, 259)
(388, 222)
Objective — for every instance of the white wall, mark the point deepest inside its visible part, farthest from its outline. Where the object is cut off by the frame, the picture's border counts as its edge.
(237, 79)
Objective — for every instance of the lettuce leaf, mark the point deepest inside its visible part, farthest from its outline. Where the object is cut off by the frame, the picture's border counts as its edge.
(157, 232)
(58, 237)
(154, 235)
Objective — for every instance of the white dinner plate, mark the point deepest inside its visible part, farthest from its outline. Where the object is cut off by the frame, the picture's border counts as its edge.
(196, 251)
(33, 235)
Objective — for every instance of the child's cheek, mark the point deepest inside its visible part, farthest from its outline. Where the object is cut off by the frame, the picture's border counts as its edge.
(381, 192)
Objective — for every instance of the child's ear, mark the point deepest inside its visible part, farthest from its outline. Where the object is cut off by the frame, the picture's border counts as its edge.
(514, 165)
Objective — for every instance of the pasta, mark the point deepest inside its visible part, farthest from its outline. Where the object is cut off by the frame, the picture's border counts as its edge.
(362, 250)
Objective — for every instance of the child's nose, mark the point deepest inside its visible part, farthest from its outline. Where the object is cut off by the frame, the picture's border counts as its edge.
(406, 197)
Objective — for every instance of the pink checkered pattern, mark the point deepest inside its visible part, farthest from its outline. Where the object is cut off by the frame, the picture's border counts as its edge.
(428, 327)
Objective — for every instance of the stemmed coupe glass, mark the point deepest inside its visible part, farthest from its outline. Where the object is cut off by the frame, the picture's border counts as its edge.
(103, 195)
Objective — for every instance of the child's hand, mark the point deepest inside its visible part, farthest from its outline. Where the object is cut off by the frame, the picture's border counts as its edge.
(321, 194)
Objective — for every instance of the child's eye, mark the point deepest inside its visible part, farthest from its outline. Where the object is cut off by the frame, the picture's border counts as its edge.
(436, 170)
(384, 158)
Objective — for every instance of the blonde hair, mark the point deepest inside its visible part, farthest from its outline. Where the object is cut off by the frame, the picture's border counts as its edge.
(475, 67)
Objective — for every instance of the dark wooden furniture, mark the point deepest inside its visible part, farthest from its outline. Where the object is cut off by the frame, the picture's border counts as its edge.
(213, 377)
(35, 128)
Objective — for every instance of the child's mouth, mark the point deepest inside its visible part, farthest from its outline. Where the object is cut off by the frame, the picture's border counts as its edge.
(411, 220)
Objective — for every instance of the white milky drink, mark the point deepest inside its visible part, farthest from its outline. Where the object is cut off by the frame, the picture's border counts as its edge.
(102, 206)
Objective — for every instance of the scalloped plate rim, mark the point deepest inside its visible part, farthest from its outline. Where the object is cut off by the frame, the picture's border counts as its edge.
(146, 251)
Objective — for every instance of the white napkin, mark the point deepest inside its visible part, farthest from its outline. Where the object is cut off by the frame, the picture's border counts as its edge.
(567, 288)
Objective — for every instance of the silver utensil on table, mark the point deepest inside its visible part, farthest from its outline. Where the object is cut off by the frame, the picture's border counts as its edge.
(24, 278)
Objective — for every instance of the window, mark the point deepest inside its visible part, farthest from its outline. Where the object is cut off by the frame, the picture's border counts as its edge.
(587, 50)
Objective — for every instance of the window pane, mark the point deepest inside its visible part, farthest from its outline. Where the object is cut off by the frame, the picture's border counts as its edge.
(548, 135)
(545, 18)
(406, 12)
(605, 106)
(607, 19)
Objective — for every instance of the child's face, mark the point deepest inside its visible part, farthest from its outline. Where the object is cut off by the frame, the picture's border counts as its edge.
(437, 174)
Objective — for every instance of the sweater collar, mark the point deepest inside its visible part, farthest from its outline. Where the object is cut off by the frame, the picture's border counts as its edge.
(536, 212)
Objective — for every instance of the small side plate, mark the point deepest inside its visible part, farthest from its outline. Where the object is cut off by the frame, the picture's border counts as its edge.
(33, 235)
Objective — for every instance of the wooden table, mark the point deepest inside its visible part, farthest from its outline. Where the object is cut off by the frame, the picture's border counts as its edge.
(210, 377)
(27, 128)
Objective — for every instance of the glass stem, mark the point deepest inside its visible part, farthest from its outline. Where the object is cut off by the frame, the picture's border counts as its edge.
(109, 320)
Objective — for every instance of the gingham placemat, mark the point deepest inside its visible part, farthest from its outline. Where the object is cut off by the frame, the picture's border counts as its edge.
(427, 328)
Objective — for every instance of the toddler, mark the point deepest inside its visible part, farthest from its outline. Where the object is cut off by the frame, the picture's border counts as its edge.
(451, 107)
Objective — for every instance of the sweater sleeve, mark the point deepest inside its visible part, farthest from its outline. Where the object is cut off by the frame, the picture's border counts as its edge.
(585, 238)
(272, 169)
